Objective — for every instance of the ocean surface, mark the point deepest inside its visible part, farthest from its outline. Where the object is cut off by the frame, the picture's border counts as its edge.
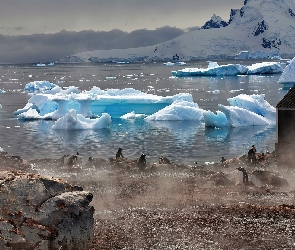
(180, 141)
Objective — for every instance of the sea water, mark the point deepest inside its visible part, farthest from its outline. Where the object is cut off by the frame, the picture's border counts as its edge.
(180, 141)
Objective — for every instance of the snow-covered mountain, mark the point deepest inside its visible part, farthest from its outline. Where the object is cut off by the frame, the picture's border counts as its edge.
(214, 22)
(260, 25)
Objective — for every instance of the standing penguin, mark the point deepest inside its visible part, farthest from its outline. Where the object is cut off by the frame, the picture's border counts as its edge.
(141, 162)
(119, 153)
(245, 175)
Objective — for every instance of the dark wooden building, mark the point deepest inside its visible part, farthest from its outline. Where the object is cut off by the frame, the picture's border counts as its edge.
(285, 141)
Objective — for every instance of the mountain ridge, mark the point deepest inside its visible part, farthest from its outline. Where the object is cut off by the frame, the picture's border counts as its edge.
(260, 25)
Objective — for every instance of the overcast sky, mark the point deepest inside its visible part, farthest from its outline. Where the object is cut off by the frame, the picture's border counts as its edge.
(23, 18)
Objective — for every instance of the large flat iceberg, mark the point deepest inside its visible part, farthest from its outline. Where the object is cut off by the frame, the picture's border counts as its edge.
(94, 102)
(223, 70)
(231, 70)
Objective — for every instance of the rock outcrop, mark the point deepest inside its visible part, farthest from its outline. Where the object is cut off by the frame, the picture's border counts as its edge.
(39, 212)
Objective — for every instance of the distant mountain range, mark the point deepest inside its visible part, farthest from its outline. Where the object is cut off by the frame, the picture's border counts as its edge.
(260, 25)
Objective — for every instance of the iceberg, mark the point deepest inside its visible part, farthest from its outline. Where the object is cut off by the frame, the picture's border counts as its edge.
(212, 64)
(30, 114)
(132, 115)
(40, 64)
(174, 63)
(74, 121)
(288, 76)
(94, 102)
(214, 69)
(223, 70)
(79, 110)
(178, 111)
(265, 68)
(254, 103)
(217, 120)
(48, 88)
(239, 117)
(245, 110)
(39, 86)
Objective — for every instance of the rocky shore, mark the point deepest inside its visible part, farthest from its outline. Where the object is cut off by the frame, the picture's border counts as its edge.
(169, 206)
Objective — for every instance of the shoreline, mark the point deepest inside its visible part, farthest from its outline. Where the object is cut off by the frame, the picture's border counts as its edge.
(190, 207)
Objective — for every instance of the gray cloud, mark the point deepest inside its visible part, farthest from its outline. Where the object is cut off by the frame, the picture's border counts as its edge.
(41, 16)
(31, 28)
(50, 47)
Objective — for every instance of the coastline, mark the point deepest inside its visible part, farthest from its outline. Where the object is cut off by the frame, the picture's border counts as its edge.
(189, 207)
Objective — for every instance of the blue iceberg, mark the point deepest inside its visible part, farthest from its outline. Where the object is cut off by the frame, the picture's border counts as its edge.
(68, 105)
(92, 103)
(245, 110)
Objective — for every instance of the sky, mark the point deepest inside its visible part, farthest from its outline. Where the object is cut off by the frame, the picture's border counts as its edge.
(41, 20)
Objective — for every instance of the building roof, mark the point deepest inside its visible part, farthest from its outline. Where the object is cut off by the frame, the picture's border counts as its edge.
(288, 100)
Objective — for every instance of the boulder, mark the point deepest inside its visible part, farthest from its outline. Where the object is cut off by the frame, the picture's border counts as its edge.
(40, 212)
(270, 178)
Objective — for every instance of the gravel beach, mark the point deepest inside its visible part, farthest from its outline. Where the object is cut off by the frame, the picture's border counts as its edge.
(174, 206)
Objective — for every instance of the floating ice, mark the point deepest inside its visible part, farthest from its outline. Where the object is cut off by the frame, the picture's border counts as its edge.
(96, 101)
(30, 114)
(178, 111)
(212, 64)
(288, 76)
(238, 117)
(40, 64)
(215, 120)
(245, 110)
(265, 68)
(132, 115)
(231, 70)
(223, 70)
(254, 103)
(74, 121)
(39, 86)
(128, 103)
(174, 63)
